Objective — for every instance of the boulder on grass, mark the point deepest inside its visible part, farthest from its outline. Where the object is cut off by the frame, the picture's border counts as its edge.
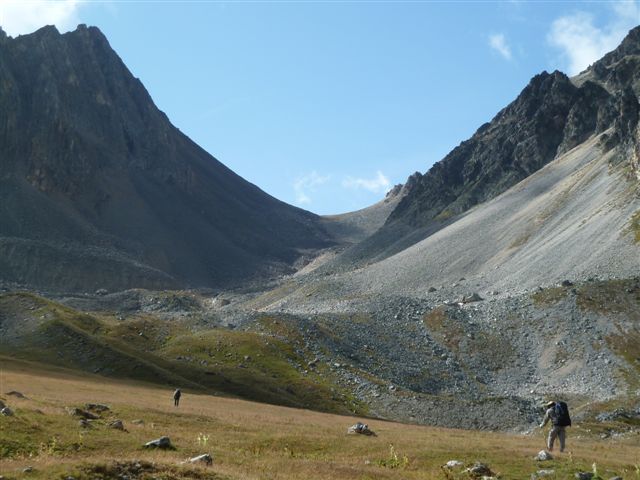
(96, 407)
(360, 428)
(479, 469)
(13, 393)
(542, 474)
(584, 475)
(205, 459)
(543, 456)
(117, 424)
(163, 443)
(453, 464)
(7, 412)
(78, 412)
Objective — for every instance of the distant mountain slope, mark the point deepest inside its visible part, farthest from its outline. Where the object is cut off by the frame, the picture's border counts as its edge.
(99, 189)
(552, 115)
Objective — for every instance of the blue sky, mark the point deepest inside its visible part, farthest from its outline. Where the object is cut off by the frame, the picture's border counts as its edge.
(326, 105)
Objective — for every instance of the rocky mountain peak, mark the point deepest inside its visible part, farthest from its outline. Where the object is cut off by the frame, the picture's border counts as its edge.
(101, 177)
(551, 115)
(630, 46)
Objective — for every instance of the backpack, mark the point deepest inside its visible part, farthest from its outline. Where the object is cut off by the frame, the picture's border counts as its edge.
(562, 418)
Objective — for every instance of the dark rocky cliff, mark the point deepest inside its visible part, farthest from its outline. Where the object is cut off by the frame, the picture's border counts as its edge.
(552, 115)
(99, 189)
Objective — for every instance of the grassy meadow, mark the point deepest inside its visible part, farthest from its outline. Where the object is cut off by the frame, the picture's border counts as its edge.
(251, 440)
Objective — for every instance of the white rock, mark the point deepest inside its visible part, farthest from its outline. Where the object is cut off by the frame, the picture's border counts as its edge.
(204, 458)
(543, 456)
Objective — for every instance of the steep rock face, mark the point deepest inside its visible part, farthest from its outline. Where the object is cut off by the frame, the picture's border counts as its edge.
(552, 115)
(99, 189)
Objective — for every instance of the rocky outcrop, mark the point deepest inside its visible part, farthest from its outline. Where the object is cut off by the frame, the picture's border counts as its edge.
(99, 190)
(550, 117)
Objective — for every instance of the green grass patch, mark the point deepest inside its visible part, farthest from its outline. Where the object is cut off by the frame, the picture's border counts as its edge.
(268, 367)
(611, 297)
(634, 226)
(549, 296)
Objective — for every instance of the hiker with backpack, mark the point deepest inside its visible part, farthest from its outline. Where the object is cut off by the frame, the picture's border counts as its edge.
(176, 397)
(558, 413)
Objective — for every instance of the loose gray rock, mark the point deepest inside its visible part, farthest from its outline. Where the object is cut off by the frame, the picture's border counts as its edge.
(96, 407)
(453, 464)
(542, 474)
(479, 469)
(84, 423)
(27, 469)
(204, 458)
(584, 475)
(162, 442)
(13, 393)
(117, 424)
(360, 428)
(7, 412)
(543, 456)
(78, 412)
(474, 297)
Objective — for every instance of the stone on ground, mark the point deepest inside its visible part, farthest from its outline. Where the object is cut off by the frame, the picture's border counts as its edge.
(543, 456)
(479, 469)
(13, 393)
(7, 412)
(96, 407)
(542, 474)
(78, 412)
(584, 475)
(472, 298)
(453, 464)
(204, 458)
(162, 442)
(360, 428)
(117, 424)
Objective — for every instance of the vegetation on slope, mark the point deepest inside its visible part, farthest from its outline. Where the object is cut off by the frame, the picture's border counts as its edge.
(255, 365)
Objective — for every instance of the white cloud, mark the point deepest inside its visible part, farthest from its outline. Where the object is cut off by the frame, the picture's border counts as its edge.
(582, 42)
(378, 184)
(307, 184)
(499, 43)
(18, 17)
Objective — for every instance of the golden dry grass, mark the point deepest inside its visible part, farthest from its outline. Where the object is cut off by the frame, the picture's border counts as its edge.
(250, 440)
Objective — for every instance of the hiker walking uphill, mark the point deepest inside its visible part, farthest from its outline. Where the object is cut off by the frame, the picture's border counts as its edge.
(176, 397)
(558, 413)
